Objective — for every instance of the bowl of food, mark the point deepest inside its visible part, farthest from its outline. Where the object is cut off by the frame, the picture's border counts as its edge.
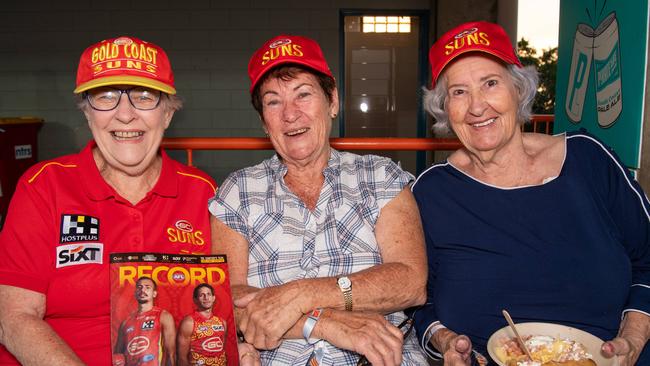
(549, 344)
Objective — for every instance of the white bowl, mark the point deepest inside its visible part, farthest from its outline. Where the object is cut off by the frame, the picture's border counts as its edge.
(590, 341)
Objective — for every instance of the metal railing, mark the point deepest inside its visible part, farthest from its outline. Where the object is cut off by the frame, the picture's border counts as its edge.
(540, 123)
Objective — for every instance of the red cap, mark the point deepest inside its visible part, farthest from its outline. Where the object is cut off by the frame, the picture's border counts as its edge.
(474, 36)
(285, 49)
(125, 60)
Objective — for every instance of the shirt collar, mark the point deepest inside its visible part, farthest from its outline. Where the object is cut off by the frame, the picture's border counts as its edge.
(98, 189)
(279, 168)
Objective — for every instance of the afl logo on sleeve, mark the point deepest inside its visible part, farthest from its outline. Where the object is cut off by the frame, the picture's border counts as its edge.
(79, 228)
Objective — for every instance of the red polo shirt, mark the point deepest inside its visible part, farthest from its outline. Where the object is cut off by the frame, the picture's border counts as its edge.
(63, 222)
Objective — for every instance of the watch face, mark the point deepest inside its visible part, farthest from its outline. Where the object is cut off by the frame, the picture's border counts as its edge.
(344, 282)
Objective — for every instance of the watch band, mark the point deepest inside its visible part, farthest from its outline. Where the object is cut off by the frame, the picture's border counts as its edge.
(345, 285)
(347, 296)
(310, 323)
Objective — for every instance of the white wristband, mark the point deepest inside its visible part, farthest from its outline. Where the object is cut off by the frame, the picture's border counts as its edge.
(428, 334)
(310, 323)
(434, 328)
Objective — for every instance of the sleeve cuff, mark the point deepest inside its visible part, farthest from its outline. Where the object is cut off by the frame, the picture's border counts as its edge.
(21, 280)
(638, 299)
(426, 337)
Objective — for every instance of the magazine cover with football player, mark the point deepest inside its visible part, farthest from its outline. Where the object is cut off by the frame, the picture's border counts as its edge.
(170, 309)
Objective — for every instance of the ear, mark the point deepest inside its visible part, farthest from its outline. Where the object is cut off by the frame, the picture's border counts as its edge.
(266, 130)
(87, 115)
(334, 105)
(169, 113)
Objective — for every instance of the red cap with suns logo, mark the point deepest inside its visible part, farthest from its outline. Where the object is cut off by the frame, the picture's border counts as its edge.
(474, 36)
(285, 49)
(125, 60)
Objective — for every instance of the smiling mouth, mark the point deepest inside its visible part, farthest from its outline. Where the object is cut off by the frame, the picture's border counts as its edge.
(483, 124)
(297, 132)
(127, 135)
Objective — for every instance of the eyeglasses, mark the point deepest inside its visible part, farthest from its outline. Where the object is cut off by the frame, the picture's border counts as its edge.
(405, 326)
(107, 99)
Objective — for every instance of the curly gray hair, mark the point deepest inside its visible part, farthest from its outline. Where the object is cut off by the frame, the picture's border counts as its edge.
(525, 80)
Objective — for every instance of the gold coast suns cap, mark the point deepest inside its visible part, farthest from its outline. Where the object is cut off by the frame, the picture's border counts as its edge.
(471, 37)
(285, 49)
(125, 60)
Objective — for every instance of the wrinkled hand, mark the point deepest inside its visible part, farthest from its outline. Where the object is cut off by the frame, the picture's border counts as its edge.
(238, 292)
(459, 351)
(456, 349)
(248, 355)
(266, 315)
(626, 349)
(368, 334)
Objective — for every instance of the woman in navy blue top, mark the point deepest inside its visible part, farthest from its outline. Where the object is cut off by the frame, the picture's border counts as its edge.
(552, 228)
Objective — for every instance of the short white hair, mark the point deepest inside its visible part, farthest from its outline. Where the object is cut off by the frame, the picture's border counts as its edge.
(525, 80)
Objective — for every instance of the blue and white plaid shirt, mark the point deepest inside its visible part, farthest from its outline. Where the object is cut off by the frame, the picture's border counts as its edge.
(287, 241)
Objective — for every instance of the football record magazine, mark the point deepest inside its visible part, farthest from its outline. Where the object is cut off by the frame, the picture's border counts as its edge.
(148, 287)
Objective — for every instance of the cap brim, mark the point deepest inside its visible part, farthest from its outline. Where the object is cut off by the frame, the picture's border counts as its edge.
(286, 62)
(498, 55)
(125, 80)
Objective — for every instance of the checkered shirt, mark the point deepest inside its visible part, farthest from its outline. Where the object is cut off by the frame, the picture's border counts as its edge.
(287, 241)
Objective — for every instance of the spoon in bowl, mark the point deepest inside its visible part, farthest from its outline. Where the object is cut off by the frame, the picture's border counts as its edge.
(514, 329)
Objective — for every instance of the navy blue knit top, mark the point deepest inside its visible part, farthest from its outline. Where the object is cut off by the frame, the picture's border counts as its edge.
(574, 250)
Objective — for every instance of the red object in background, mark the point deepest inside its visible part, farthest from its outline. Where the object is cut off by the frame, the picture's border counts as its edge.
(18, 151)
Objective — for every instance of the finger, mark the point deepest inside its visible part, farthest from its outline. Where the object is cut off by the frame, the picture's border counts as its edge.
(394, 331)
(267, 325)
(259, 339)
(248, 358)
(456, 359)
(242, 323)
(616, 347)
(371, 344)
(463, 346)
(375, 358)
(393, 341)
(608, 349)
(389, 351)
(272, 343)
(251, 333)
(245, 300)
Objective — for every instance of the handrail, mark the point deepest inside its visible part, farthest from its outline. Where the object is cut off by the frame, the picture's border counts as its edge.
(189, 144)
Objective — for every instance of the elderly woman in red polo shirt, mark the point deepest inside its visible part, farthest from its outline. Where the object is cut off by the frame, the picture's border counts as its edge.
(119, 194)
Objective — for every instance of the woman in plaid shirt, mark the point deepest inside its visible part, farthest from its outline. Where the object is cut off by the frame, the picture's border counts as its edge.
(325, 247)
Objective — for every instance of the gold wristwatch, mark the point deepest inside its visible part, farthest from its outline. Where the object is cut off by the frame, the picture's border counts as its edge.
(346, 288)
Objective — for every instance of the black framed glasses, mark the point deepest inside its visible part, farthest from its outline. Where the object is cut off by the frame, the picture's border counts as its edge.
(107, 98)
(406, 326)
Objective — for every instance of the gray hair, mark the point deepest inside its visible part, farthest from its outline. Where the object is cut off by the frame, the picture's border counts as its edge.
(525, 80)
(169, 101)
